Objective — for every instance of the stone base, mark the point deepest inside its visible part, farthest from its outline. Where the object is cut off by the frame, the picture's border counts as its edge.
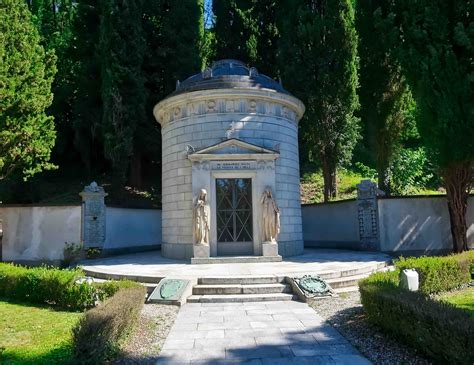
(269, 249)
(202, 251)
(235, 259)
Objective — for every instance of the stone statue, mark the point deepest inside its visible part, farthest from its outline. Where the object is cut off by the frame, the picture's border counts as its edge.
(270, 217)
(202, 219)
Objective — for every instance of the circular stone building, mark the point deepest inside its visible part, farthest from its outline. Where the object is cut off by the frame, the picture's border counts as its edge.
(229, 133)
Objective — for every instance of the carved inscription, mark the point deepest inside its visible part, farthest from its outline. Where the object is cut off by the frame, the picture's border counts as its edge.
(233, 165)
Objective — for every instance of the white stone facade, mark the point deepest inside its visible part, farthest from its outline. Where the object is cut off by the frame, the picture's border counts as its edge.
(193, 121)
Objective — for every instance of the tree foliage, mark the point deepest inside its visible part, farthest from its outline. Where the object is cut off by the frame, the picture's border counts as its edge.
(27, 133)
(122, 90)
(246, 30)
(384, 95)
(434, 43)
(318, 62)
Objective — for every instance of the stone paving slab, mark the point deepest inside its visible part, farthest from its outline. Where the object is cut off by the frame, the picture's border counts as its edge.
(255, 333)
(152, 266)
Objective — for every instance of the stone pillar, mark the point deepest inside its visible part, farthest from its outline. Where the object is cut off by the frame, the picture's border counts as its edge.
(93, 216)
(367, 210)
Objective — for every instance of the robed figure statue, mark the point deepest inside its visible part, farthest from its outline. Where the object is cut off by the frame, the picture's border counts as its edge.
(202, 219)
(270, 216)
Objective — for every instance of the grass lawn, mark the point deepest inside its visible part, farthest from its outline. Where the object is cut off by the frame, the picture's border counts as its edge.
(462, 299)
(34, 334)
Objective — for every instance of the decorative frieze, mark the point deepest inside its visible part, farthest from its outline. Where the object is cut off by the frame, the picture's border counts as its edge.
(216, 106)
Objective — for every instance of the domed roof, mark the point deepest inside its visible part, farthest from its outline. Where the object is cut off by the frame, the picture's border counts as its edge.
(228, 74)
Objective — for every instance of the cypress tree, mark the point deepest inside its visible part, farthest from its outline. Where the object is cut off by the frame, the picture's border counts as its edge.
(318, 62)
(123, 94)
(26, 72)
(384, 94)
(246, 30)
(434, 43)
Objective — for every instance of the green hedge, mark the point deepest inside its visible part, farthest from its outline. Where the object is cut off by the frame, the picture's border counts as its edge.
(54, 286)
(99, 333)
(440, 273)
(440, 330)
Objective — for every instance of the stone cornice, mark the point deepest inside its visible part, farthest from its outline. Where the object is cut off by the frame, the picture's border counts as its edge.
(229, 101)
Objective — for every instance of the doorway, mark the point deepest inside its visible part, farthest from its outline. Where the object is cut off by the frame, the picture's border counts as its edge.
(234, 217)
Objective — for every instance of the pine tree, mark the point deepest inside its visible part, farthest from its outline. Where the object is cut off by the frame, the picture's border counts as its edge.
(26, 72)
(122, 89)
(318, 62)
(384, 95)
(434, 43)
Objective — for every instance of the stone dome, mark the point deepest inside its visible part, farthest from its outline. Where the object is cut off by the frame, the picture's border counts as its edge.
(228, 74)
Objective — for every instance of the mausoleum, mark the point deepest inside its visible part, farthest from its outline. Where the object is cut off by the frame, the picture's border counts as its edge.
(230, 178)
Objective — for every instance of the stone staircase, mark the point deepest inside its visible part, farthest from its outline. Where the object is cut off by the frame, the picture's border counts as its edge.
(271, 287)
(240, 289)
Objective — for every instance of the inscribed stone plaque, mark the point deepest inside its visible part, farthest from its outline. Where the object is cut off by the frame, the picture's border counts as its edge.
(233, 165)
(169, 291)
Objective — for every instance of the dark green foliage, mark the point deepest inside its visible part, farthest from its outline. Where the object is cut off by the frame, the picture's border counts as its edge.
(434, 42)
(97, 336)
(45, 285)
(438, 274)
(440, 330)
(87, 107)
(246, 30)
(123, 93)
(384, 96)
(318, 62)
(26, 72)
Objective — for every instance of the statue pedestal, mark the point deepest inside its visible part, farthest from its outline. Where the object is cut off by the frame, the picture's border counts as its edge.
(269, 249)
(201, 251)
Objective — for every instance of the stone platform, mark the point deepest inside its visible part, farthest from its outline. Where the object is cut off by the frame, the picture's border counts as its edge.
(336, 266)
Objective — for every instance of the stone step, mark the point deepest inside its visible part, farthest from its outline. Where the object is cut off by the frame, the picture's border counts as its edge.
(359, 271)
(235, 259)
(346, 281)
(240, 289)
(241, 280)
(239, 298)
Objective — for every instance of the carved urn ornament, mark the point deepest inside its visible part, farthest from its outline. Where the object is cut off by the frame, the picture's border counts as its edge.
(270, 217)
(202, 219)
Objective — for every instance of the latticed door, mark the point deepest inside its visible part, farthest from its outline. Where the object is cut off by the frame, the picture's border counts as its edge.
(234, 210)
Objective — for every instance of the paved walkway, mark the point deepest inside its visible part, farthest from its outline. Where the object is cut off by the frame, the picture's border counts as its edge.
(270, 333)
(320, 261)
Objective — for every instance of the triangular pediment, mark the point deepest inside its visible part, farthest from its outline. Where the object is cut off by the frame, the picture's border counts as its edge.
(234, 149)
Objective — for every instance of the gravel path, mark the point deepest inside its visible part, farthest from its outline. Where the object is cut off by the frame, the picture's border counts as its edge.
(148, 338)
(346, 314)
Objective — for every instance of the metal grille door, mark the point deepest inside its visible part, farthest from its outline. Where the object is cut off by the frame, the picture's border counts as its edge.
(234, 210)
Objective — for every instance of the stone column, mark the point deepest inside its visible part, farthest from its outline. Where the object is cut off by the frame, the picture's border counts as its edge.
(93, 216)
(367, 209)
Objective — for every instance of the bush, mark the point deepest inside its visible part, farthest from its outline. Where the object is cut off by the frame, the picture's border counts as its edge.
(442, 273)
(57, 287)
(438, 329)
(98, 335)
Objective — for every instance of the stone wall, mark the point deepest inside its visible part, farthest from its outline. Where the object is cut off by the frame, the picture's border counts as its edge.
(331, 225)
(130, 230)
(406, 225)
(38, 233)
(418, 225)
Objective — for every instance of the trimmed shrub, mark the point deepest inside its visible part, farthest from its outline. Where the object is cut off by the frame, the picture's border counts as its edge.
(98, 335)
(438, 274)
(57, 287)
(440, 330)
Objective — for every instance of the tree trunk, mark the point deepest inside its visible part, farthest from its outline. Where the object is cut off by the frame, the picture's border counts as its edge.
(383, 180)
(330, 179)
(458, 180)
(136, 171)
